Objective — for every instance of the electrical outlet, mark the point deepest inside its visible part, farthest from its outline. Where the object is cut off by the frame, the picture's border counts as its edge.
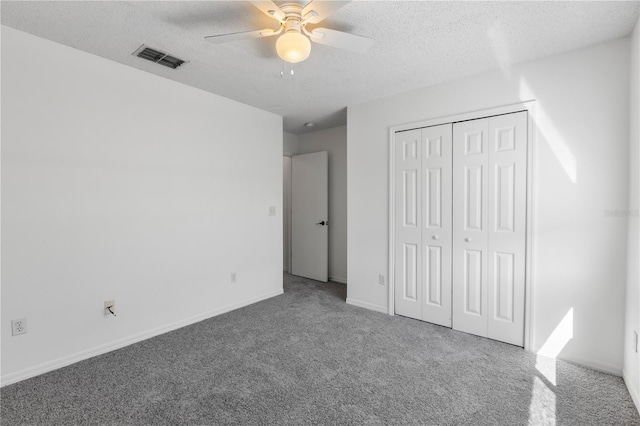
(18, 326)
(635, 341)
(110, 307)
(381, 279)
(232, 278)
(272, 210)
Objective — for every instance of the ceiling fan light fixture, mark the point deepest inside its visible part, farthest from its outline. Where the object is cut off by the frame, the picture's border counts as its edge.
(293, 47)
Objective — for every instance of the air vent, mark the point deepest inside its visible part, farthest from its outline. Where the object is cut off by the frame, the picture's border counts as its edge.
(158, 57)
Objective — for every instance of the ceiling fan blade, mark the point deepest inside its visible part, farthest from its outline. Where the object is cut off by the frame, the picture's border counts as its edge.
(322, 9)
(269, 8)
(341, 40)
(243, 35)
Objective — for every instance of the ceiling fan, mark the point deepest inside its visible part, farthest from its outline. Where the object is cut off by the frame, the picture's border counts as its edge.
(294, 44)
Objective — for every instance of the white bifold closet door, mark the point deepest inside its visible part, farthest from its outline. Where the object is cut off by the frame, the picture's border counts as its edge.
(489, 226)
(423, 224)
(460, 225)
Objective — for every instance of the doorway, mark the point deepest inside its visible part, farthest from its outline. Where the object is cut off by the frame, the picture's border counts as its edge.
(307, 223)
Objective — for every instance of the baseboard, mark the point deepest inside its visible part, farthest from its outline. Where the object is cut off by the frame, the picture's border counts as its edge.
(632, 389)
(367, 305)
(594, 365)
(121, 343)
(338, 279)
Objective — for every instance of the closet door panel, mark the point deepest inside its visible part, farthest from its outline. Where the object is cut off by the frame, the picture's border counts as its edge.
(470, 225)
(507, 230)
(436, 219)
(408, 265)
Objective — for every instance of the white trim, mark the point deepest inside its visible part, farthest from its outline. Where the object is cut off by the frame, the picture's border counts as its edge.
(290, 214)
(471, 115)
(632, 390)
(48, 366)
(366, 305)
(287, 206)
(529, 323)
(392, 220)
(529, 106)
(594, 365)
(338, 279)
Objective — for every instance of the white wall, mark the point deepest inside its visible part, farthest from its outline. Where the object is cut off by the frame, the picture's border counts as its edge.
(286, 213)
(289, 144)
(119, 184)
(334, 141)
(581, 170)
(289, 148)
(632, 318)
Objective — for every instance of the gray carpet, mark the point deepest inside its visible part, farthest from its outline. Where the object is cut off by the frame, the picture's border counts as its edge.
(307, 357)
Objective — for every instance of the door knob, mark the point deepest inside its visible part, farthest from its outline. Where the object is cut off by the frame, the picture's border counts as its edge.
(435, 237)
(468, 239)
(322, 223)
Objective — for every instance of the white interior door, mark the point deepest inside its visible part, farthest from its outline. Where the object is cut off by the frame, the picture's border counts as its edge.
(470, 205)
(460, 225)
(423, 224)
(507, 227)
(489, 223)
(408, 224)
(436, 221)
(310, 216)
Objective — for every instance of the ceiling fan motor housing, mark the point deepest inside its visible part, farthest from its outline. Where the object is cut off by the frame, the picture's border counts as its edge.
(292, 25)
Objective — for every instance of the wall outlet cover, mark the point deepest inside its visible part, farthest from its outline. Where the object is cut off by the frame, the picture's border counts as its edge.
(18, 326)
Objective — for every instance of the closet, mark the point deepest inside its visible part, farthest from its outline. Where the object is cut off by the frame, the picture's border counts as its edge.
(459, 198)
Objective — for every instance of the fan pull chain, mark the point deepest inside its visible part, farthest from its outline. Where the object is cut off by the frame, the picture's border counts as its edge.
(282, 73)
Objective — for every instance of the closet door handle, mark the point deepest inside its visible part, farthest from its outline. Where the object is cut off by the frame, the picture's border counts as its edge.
(435, 237)
(468, 239)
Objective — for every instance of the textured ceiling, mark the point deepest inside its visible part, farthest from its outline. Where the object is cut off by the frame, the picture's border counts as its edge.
(418, 44)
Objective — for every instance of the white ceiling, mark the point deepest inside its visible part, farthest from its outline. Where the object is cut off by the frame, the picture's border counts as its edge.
(418, 44)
